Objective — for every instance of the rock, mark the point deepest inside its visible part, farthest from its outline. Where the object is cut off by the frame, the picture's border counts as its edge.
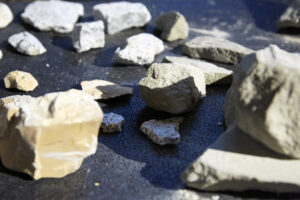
(119, 16)
(58, 16)
(101, 89)
(236, 162)
(88, 35)
(213, 74)
(48, 136)
(27, 44)
(112, 123)
(6, 16)
(172, 88)
(140, 49)
(173, 26)
(215, 49)
(1, 54)
(163, 132)
(291, 17)
(20, 80)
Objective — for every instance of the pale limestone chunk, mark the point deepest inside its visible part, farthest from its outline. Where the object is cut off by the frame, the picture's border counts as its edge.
(20, 80)
(6, 16)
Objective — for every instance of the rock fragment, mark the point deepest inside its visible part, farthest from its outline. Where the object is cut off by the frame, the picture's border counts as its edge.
(291, 17)
(1, 54)
(20, 80)
(163, 132)
(119, 16)
(172, 88)
(6, 15)
(27, 44)
(112, 123)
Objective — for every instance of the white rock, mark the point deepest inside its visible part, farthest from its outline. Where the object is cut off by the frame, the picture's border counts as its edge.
(215, 49)
(58, 16)
(140, 49)
(172, 88)
(27, 44)
(163, 132)
(6, 15)
(119, 16)
(112, 123)
(1, 54)
(20, 80)
(291, 17)
(88, 35)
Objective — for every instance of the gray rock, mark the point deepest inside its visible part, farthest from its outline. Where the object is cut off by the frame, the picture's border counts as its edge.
(27, 44)
(58, 16)
(6, 15)
(119, 16)
(140, 49)
(163, 132)
(89, 35)
(291, 17)
(112, 123)
(215, 49)
(172, 88)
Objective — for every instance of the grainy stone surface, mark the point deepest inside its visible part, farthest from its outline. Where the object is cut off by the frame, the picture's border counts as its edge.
(20, 80)
(112, 123)
(291, 17)
(6, 16)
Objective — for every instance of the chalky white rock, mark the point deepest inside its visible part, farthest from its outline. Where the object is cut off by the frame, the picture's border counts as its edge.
(20, 80)
(291, 17)
(6, 16)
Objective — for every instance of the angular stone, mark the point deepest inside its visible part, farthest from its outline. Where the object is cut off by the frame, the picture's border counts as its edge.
(48, 136)
(27, 44)
(101, 89)
(236, 162)
(6, 16)
(20, 80)
(173, 26)
(213, 74)
(163, 132)
(119, 16)
(172, 88)
(140, 49)
(58, 16)
(112, 123)
(215, 49)
(88, 35)
(291, 17)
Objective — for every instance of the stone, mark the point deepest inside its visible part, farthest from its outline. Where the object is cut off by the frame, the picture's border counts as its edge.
(6, 16)
(101, 89)
(140, 49)
(48, 136)
(119, 16)
(163, 132)
(237, 162)
(215, 49)
(291, 17)
(112, 123)
(172, 88)
(173, 26)
(213, 74)
(20, 80)
(57, 16)
(27, 44)
(88, 35)
(1, 54)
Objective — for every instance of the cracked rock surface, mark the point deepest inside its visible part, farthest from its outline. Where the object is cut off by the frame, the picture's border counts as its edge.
(20, 80)
(112, 123)
(6, 16)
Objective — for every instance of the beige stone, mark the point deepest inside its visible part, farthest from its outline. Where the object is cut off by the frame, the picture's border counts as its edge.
(20, 80)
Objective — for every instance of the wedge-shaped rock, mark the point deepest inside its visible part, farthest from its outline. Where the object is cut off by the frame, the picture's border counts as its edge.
(88, 35)
(58, 16)
(48, 136)
(214, 75)
(172, 88)
(215, 49)
(163, 132)
(236, 162)
(291, 17)
(20, 80)
(6, 15)
(101, 89)
(27, 44)
(140, 49)
(112, 123)
(119, 16)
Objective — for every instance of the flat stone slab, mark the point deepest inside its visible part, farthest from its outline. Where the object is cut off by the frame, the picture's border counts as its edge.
(20, 80)
(112, 123)
(6, 16)
(291, 17)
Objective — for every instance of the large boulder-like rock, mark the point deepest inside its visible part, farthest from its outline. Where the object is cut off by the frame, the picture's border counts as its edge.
(119, 16)
(291, 17)
(172, 88)
(48, 136)
(6, 16)
(20, 80)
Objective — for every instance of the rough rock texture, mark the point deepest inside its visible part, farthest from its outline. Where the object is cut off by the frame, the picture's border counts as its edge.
(101, 89)
(58, 16)
(163, 131)
(112, 123)
(20, 80)
(172, 88)
(291, 17)
(213, 74)
(6, 15)
(48, 136)
(236, 162)
(173, 26)
(140, 49)
(119, 16)
(215, 49)
(27, 44)
(88, 35)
